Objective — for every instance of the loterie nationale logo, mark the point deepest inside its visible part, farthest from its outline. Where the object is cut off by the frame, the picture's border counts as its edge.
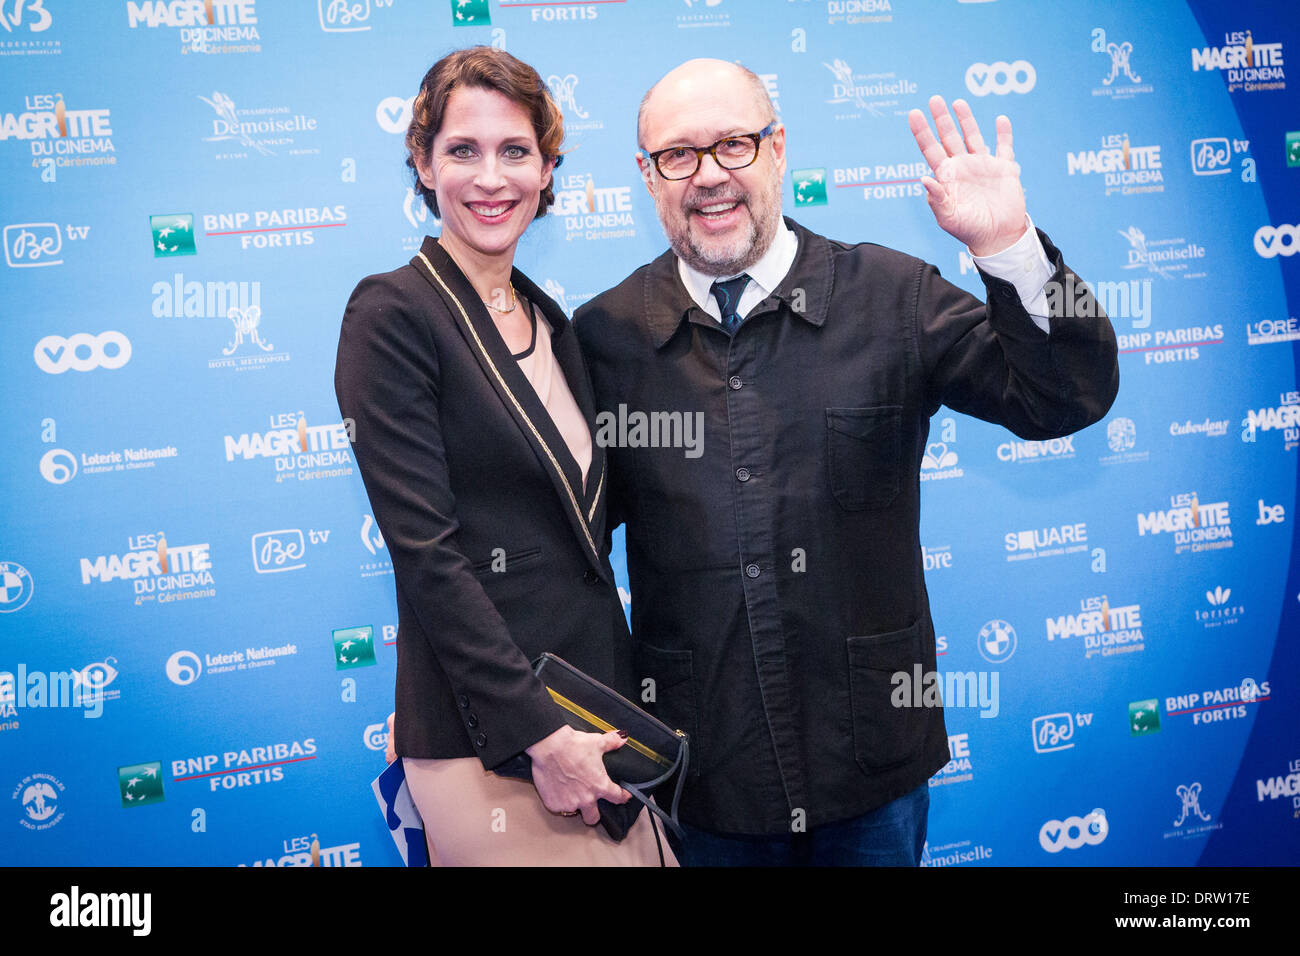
(247, 767)
(58, 466)
(855, 95)
(1106, 629)
(858, 12)
(241, 132)
(298, 451)
(1214, 705)
(899, 180)
(60, 132)
(1283, 417)
(203, 26)
(275, 228)
(1248, 65)
(158, 571)
(1122, 81)
(1123, 168)
(593, 212)
(1195, 525)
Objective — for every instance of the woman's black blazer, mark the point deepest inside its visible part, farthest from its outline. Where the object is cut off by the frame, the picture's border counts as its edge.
(497, 547)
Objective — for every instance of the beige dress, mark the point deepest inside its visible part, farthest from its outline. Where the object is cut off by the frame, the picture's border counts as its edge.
(472, 817)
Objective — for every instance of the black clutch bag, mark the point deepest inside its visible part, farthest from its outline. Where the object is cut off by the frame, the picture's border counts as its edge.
(652, 753)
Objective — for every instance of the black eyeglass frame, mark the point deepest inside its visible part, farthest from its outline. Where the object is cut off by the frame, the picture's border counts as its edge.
(758, 138)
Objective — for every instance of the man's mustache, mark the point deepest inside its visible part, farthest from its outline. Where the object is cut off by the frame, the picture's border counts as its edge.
(708, 197)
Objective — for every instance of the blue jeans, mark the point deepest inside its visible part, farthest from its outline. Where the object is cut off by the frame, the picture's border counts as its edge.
(892, 835)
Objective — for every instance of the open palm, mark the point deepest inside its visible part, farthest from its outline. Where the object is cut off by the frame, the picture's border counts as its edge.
(975, 195)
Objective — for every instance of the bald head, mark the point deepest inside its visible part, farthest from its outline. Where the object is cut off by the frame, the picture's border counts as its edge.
(697, 80)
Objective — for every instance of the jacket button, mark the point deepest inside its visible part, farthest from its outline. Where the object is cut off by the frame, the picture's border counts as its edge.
(752, 570)
(735, 383)
(481, 740)
(742, 474)
(590, 577)
(463, 700)
(472, 720)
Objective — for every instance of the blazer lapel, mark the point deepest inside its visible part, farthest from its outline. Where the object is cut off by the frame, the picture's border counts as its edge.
(513, 388)
(569, 357)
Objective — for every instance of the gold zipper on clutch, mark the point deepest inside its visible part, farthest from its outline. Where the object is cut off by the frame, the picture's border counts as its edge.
(605, 725)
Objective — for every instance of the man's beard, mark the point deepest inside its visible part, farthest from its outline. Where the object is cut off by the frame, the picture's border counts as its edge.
(737, 254)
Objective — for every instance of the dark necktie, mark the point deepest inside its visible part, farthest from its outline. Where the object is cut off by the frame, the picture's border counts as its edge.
(728, 294)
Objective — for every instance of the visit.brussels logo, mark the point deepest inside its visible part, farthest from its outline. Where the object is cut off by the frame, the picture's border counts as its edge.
(809, 187)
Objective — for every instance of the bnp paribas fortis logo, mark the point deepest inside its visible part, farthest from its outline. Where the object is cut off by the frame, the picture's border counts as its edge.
(173, 234)
(354, 647)
(1293, 148)
(1144, 717)
(809, 187)
(140, 784)
(470, 13)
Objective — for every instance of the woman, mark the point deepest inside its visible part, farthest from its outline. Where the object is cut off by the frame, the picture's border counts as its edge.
(474, 418)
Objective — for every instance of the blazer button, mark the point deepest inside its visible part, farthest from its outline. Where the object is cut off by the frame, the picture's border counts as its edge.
(590, 577)
(734, 383)
(481, 740)
(752, 570)
(742, 474)
(463, 701)
(472, 720)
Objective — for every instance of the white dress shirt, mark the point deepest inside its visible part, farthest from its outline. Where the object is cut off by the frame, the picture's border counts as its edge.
(1024, 264)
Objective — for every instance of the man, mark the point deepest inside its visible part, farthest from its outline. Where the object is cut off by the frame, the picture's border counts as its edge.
(777, 578)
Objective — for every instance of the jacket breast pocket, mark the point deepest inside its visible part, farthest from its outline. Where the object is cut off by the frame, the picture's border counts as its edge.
(671, 696)
(862, 455)
(885, 734)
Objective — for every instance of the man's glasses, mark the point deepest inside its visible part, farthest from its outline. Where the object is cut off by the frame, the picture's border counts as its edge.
(732, 152)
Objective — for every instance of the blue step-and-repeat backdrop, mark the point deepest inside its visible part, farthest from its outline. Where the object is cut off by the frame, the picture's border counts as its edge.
(197, 618)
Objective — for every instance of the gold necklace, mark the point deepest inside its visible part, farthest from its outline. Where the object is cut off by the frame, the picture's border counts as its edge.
(513, 301)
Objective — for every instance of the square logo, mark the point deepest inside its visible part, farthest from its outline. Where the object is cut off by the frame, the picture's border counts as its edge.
(1053, 732)
(1293, 148)
(1211, 156)
(470, 13)
(32, 244)
(1144, 717)
(140, 783)
(173, 234)
(354, 647)
(275, 551)
(809, 187)
(343, 16)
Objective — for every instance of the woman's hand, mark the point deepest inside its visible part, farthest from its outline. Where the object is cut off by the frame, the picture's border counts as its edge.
(570, 775)
(390, 752)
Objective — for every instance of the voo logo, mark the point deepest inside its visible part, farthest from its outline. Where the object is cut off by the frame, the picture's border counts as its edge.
(1073, 832)
(82, 352)
(1280, 240)
(1001, 78)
